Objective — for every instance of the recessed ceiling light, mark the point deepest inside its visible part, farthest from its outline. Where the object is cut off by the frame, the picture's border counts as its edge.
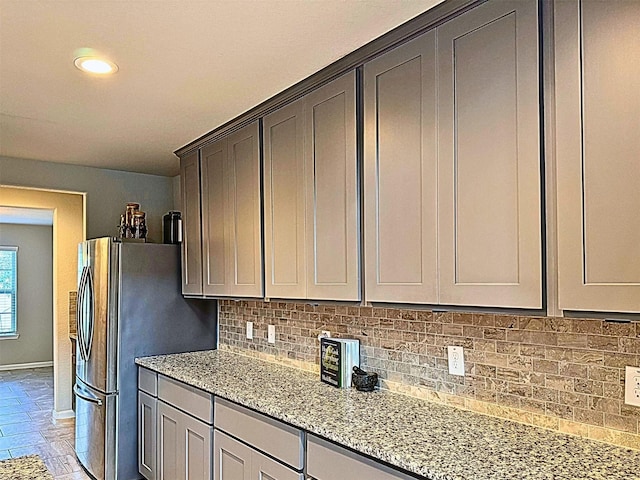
(98, 66)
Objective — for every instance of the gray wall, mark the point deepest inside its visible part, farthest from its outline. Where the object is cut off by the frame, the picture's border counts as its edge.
(107, 191)
(177, 196)
(35, 294)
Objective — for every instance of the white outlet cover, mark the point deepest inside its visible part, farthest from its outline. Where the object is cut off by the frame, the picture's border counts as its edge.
(249, 330)
(632, 386)
(456, 360)
(271, 334)
(324, 334)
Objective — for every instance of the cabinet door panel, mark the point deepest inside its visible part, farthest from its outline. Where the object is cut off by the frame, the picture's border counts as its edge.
(284, 203)
(197, 444)
(597, 151)
(192, 238)
(170, 448)
(489, 164)
(214, 219)
(264, 468)
(332, 192)
(232, 459)
(147, 411)
(244, 257)
(400, 174)
(184, 446)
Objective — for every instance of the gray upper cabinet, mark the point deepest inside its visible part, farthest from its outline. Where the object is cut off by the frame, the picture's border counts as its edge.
(489, 197)
(452, 163)
(451, 175)
(400, 183)
(311, 196)
(331, 191)
(214, 207)
(597, 154)
(232, 255)
(284, 214)
(192, 238)
(244, 255)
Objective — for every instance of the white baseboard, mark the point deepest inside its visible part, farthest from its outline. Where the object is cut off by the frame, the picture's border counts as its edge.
(22, 366)
(63, 414)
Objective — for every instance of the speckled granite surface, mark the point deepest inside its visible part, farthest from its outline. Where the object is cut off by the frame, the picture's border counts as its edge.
(30, 467)
(428, 439)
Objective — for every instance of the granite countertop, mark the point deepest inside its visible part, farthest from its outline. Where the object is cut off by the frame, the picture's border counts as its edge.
(432, 440)
(30, 467)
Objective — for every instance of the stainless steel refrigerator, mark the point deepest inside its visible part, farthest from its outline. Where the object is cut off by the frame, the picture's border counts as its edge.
(129, 305)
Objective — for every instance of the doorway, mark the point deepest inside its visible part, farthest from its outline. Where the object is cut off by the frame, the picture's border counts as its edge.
(68, 230)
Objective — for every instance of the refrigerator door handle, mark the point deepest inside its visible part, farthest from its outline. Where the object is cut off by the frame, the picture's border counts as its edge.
(79, 311)
(88, 339)
(84, 396)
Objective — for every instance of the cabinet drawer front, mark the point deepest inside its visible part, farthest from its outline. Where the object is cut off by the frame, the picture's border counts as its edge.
(281, 441)
(326, 461)
(148, 381)
(186, 398)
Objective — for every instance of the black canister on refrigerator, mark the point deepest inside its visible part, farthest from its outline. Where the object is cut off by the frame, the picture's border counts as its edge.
(172, 227)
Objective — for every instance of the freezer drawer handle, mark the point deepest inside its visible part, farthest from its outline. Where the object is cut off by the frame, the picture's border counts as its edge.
(95, 400)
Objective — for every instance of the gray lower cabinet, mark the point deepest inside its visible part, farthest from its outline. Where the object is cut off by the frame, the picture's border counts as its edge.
(326, 461)
(264, 468)
(175, 431)
(147, 417)
(178, 439)
(184, 446)
(147, 410)
(250, 446)
(232, 459)
(236, 461)
(185, 431)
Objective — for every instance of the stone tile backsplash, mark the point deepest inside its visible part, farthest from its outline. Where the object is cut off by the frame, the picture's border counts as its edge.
(559, 373)
(73, 300)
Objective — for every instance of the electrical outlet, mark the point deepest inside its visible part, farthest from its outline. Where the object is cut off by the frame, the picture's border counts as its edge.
(632, 386)
(271, 334)
(456, 360)
(324, 334)
(249, 330)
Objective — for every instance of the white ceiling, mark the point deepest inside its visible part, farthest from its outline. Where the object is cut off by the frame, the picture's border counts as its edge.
(186, 67)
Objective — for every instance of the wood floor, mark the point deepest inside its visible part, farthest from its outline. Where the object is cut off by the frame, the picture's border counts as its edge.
(27, 426)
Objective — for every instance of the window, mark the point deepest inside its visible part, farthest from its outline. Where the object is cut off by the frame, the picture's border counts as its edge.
(8, 290)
